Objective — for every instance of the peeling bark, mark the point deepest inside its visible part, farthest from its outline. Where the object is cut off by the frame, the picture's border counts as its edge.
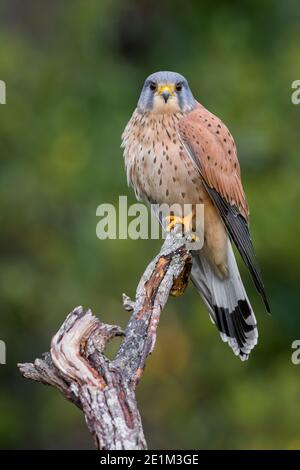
(105, 389)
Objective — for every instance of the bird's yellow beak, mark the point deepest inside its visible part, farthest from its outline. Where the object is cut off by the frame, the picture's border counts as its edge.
(166, 91)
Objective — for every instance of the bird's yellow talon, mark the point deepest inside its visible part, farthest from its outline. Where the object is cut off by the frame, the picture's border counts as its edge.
(186, 222)
(172, 221)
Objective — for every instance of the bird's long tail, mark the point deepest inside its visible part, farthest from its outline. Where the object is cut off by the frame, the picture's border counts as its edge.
(227, 302)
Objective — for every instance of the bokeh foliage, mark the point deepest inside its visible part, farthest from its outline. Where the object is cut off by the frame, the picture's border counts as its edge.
(73, 71)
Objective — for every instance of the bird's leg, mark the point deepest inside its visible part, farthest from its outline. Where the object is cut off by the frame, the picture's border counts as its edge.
(186, 222)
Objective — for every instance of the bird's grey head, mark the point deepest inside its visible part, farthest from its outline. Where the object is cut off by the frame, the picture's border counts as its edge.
(166, 92)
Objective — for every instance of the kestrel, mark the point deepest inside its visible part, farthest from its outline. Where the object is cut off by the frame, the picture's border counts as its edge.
(178, 152)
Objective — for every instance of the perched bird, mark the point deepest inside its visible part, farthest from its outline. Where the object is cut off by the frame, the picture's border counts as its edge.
(176, 151)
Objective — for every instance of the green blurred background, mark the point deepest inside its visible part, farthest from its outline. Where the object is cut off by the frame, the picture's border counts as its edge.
(74, 70)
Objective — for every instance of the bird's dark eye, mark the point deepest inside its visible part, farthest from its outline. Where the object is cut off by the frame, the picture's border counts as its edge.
(153, 86)
(178, 86)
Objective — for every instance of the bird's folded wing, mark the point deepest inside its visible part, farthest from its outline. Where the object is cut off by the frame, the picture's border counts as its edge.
(211, 147)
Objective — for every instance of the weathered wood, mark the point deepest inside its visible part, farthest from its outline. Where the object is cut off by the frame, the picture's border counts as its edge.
(105, 389)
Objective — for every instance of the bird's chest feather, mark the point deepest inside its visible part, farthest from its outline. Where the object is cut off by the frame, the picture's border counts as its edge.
(157, 165)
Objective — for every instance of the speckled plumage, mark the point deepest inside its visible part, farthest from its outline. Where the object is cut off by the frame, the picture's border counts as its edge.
(177, 152)
(160, 171)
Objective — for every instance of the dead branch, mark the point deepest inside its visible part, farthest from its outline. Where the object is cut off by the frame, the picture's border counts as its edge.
(105, 389)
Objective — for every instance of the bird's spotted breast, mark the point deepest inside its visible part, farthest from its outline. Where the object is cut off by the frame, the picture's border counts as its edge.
(157, 165)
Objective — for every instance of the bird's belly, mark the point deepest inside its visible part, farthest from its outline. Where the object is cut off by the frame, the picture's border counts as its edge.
(169, 177)
(175, 181)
